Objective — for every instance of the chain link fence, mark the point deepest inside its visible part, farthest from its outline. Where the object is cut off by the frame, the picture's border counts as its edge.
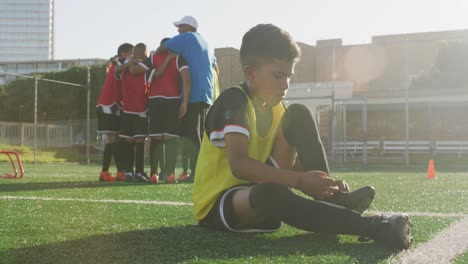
(52, 120)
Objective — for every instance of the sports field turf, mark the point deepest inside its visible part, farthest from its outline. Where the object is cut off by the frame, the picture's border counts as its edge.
(62, 218)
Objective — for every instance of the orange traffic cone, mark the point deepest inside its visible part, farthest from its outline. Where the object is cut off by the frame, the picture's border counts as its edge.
(431, 170)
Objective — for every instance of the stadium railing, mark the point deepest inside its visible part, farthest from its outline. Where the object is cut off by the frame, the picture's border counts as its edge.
(353, 148)
(451, 147)
(417, 146)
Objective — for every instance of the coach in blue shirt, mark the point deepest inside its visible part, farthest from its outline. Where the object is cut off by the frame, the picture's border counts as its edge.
(194, 49)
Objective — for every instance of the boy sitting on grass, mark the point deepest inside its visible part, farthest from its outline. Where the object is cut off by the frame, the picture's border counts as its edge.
(254, 150)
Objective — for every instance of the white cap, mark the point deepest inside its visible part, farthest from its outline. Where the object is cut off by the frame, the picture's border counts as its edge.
(187, 20)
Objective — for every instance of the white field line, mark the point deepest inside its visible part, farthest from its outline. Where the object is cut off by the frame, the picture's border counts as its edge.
(443, 248)
(92, 200)
(5, 197)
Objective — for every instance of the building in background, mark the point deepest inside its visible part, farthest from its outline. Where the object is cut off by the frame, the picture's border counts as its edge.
(398, 87)
(26, 30)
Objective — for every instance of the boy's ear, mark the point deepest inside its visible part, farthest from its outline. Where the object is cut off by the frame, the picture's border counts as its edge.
(249, 72)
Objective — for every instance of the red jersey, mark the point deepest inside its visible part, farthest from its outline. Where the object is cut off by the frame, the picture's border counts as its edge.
(134, 98)
(169, 84)
(111, 94)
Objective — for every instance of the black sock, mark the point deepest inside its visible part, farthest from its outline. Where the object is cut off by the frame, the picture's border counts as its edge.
(171, 155)
(185, 160)
(131, 156)
(162, 157)
(154, 155)
(277, 202)
(139, 157)
(300, 130)
(127, 156)
(192, 153)
(116, 154)
(106, 157)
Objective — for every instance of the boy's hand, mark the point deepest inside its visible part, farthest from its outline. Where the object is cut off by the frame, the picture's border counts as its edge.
(182, 110)
(113, 60)
(342, 185)
(317, 184)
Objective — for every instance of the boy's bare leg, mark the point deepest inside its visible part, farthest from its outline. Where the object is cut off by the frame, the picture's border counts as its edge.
(245, 214)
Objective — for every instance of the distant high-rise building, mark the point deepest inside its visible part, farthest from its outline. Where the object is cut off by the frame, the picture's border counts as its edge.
(26, 30)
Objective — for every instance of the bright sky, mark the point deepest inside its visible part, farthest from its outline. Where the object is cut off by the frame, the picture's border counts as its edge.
(95, 28)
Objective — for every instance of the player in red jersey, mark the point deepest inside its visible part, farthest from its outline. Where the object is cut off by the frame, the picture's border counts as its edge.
(133, 125)
(108, 111)
(168, 99)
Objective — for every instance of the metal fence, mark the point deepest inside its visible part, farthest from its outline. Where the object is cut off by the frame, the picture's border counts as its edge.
(44, 126)
(47, 135)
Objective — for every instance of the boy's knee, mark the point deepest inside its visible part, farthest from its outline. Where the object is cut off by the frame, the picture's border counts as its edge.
(298, 109)
(297, 119)
(295, 115)
(264, 197)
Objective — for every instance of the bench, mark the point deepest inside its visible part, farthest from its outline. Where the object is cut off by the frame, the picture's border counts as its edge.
(400, 147)
(455, 147)
(355, 147)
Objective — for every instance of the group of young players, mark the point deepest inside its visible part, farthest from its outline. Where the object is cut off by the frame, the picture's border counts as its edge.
(132, 107)
(157, 97)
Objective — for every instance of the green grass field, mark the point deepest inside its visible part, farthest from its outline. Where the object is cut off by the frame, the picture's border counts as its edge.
(79, 231)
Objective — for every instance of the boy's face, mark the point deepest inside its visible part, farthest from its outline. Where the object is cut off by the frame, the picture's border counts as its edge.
(127, 54)
(140, 53)
(270, 81)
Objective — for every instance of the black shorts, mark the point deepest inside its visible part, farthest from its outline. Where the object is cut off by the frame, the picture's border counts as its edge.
(133, 126)
(222, 217)
(164, 117)
(108, 123)
(193, 123)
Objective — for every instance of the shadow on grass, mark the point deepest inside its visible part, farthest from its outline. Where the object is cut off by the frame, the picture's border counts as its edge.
(36, 186)
(193, 243)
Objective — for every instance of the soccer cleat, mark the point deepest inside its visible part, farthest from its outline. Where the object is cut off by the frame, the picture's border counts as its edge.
(188, 179)
(120, 176)
(154, 178)
(394, 231)
(141, 177)
(171, 178)
(183, 176)
(105, 176)
(358, 200)
(129, 177)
